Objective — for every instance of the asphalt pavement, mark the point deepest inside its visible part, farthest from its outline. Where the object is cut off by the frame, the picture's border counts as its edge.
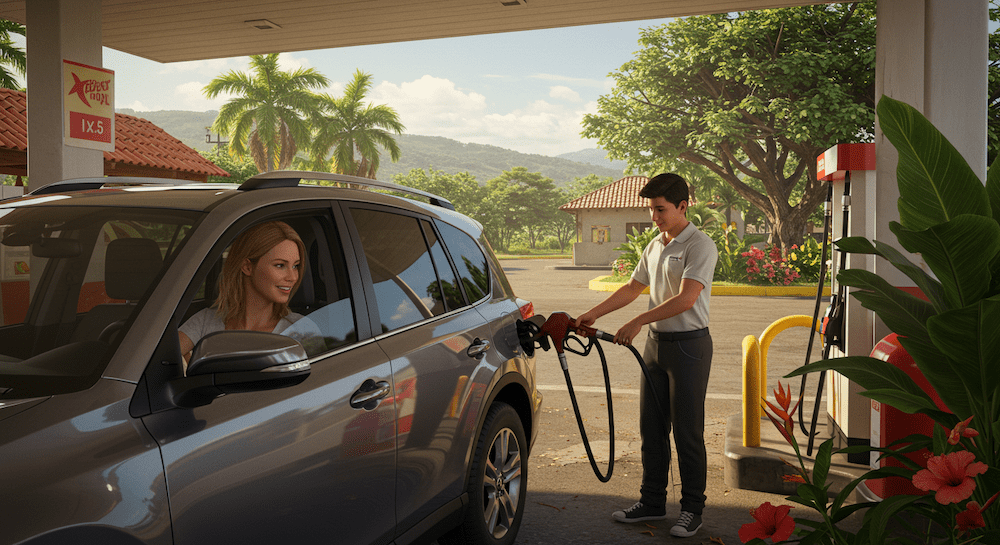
(566, 503)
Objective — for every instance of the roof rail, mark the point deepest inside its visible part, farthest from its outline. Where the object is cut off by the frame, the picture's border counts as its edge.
(291, 178)
(83, 184)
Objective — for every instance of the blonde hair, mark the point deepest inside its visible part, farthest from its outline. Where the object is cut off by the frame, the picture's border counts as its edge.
(252, 244)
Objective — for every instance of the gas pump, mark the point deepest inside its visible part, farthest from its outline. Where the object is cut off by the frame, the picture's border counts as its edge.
(848, 327)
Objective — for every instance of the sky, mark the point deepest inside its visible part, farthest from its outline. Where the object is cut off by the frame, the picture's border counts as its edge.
(525, 91)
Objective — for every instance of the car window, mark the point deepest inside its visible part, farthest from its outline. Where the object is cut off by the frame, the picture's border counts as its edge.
(468, 259)
(321, 309)
(402, 272)
(72, 279)
(449, 282)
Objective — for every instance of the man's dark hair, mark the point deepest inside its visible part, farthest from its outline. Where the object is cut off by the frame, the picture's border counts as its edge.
(668, 185)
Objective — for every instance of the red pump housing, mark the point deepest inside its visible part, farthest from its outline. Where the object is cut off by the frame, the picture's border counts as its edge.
(889, 424)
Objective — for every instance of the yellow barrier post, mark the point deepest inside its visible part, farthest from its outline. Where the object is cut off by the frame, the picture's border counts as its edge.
(751, 392)
(798, 320)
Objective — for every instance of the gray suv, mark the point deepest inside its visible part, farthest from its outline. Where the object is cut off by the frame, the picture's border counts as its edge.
(404, 413)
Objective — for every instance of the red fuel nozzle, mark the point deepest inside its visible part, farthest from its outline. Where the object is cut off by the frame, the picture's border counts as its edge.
(557, 326)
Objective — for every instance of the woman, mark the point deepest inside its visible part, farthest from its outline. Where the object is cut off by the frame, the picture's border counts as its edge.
(258, 280)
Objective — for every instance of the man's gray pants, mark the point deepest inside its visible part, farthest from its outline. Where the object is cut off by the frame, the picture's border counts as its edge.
(679, 371)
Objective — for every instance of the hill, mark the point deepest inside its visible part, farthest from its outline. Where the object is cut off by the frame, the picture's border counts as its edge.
(426, 152)
(595, 156)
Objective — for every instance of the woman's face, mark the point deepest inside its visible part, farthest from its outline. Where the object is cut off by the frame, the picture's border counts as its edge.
(275, 272)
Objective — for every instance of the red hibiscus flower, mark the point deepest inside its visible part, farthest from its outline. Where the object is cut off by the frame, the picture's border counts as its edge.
(950, 476)
(961, 430)
(970, 519)
(772, 522)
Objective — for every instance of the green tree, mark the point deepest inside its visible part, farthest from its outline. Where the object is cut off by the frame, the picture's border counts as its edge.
(239, 167)
(267, 117)
(461, 189)
(755, 95)
(564, 223)
(350, 126)
(533, 199)
(12, 58)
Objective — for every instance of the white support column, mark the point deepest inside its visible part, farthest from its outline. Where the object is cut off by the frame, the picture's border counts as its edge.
(931, 54)
(57, 30)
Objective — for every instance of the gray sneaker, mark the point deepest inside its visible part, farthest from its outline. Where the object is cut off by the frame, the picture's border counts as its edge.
(687, 525)
(639, 513)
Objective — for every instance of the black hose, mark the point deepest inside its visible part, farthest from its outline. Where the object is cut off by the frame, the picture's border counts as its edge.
(593, 341)
(827, 216)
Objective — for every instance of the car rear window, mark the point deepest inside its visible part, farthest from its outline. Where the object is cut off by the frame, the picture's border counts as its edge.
(468, 259)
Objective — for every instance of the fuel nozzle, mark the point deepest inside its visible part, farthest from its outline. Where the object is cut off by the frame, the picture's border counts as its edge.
(529, 334)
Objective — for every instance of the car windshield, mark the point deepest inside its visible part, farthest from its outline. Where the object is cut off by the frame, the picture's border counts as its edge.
(72, 280)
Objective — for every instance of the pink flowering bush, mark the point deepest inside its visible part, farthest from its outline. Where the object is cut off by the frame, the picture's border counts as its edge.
(771, 267)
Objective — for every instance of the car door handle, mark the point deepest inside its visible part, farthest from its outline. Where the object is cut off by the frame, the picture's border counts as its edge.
(478, 348)
(369, 394)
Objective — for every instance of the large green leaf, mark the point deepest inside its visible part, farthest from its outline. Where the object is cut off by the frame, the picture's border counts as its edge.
(939, 371)
(935, 181)
(993, 192)
(970, 336)
(870, 374)
(959, 252)
(930, 287)
(902, 312)
(906, 402)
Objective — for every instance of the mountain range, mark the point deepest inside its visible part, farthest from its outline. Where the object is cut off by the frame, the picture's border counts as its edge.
(485, 162)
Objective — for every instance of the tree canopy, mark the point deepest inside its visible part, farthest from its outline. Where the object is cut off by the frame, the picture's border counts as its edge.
(750, 96)
(13, 61)
(267, 116)
(349, 125)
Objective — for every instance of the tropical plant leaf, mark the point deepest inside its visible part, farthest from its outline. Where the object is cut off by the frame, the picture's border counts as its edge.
(935, 181)
(928, 285)
(903, 401)
(937, 368)
(877, 519)
(959, 252)
(904, 313)
(821, 467)
(970, 336)
(855, 245)
(869, 373)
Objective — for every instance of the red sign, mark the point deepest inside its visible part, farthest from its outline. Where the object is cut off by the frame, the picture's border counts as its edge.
(89, 106)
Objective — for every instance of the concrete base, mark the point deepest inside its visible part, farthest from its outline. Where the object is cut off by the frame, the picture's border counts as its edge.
(761, 468)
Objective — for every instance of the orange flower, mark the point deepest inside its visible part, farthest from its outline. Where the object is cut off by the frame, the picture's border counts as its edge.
(772, 522)
(793, 479)
(961, 430)
(782, 417)
(950, 476)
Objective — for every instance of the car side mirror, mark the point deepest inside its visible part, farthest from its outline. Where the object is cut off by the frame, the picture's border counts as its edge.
(230, 362)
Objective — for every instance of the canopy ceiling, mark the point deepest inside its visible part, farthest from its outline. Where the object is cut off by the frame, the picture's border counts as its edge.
(185, 30)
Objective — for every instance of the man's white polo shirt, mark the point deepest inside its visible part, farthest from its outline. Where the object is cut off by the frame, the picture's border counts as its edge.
(662, 267)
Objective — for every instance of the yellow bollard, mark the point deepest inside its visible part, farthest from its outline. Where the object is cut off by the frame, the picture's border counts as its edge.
(751, 392)
(798, 320)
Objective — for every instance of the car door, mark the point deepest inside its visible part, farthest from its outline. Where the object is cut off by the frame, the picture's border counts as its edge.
(436, 342)
(304, 464)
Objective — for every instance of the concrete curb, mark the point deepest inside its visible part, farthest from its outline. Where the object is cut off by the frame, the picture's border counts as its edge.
(774, 291)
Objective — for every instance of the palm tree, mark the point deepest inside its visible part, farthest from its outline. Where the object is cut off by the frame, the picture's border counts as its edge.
(267, 117)
(349, 126)
(11, 55)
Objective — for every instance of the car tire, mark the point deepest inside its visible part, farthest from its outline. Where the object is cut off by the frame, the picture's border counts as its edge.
(497, 484)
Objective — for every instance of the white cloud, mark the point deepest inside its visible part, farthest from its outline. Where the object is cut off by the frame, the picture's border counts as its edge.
(562, 92)
(432, 106)
(191, 96)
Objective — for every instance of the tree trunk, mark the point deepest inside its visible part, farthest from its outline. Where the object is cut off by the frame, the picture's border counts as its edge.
(788, 230)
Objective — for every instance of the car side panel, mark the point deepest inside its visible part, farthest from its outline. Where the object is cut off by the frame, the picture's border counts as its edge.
(296, 465)
(79, 461)
(440, 389)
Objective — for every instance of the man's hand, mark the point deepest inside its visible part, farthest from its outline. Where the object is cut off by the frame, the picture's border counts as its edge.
(628, 332)
(586, 319)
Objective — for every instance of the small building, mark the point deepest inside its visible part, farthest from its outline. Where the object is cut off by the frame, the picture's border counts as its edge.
(603, 218)
(141, 148)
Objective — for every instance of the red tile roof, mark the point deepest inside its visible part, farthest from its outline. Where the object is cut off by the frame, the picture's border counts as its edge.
(621, 194)
(141, 148)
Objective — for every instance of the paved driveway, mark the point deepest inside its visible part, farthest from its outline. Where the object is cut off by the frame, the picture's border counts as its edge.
(566, 503)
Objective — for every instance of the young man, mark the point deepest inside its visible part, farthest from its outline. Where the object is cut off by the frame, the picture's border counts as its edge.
(678, 267)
